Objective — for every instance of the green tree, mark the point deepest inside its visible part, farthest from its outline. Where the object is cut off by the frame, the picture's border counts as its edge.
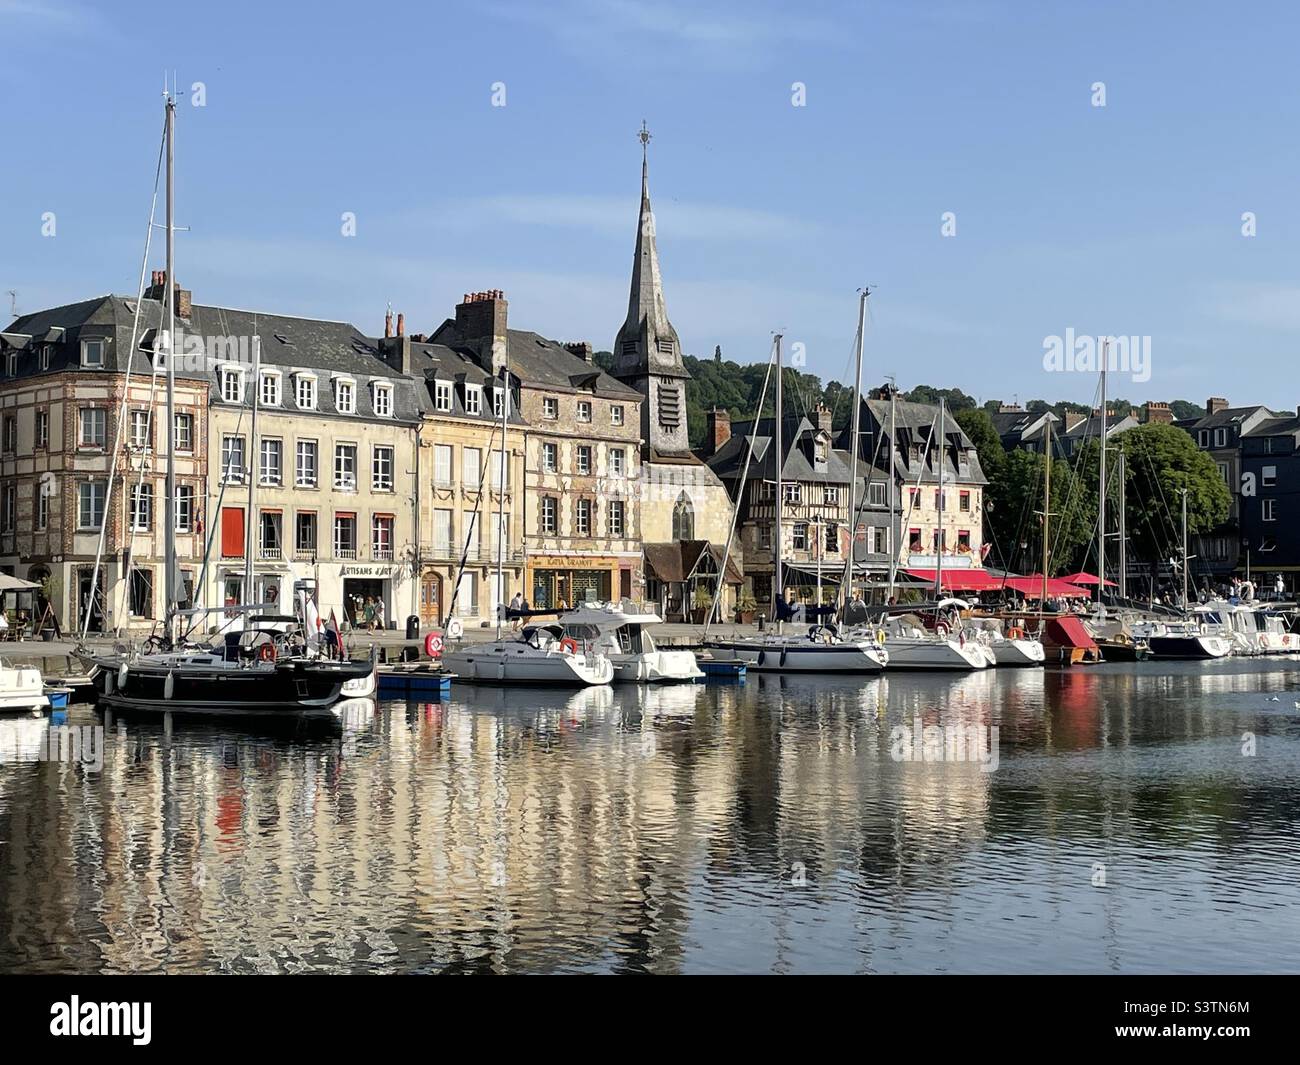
(976, 424)
(1015, 498)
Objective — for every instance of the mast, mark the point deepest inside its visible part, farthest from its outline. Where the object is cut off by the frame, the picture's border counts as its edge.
(854, 431)
(943, 438)
(1101, 490)
(501, 493)
(777, 595)
(254, 469)
(893, 546)
(1186, 560)
(1123, 532)
(169, 506)
(1047, 507)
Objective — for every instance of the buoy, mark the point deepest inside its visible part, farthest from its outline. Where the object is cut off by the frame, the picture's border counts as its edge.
(433, 644)
(570, 645)
(455, 629)
(108, 683)
(169, 685)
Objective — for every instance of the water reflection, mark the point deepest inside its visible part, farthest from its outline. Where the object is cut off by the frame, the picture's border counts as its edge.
(762, 826)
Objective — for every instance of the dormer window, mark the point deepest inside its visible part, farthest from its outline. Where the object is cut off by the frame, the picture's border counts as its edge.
(381, 396)
(269, 396)
(305, 391)
(345, 395)
(473, 399)
(820, 447)
(498, 402)
(11, 364)
(232, 384)
(442, 396)
(92, 352)
(45, 356)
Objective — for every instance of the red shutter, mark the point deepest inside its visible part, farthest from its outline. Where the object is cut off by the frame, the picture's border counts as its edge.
(232, 532)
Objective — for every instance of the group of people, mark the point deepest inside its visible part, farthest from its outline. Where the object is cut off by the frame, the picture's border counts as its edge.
(368, 613)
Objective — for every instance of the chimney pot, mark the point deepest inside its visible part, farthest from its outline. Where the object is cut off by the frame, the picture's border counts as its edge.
(401, 324)
(717, 430)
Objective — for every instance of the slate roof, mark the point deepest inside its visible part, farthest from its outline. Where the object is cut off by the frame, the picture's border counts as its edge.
(437, 362)
(728, 462)
(913, 424)
(1223, 417)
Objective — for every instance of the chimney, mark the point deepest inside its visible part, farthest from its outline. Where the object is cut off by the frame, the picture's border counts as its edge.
(1156, 413)
(481, 323)
(388, 323)
(1215, 404)
(401, 324)
(158, 291)
(717, 430)
(823, 413)
(1009, 408)
(580, 348)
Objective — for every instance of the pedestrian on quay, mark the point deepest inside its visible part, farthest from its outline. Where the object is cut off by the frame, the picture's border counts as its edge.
(516, 603)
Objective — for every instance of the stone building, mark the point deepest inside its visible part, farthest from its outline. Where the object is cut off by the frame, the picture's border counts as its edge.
(67, 417)
(686, 510)
(581, 510)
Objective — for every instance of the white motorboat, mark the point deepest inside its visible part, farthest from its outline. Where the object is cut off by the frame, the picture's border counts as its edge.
(1272, 634)
(542, 654)
(1182, 639)
(622, 636)
(820, 650)
(22, 689)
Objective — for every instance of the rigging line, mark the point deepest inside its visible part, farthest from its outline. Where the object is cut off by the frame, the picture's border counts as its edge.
(130, 364)
(464, 556)
(916, 490)
(740, 490)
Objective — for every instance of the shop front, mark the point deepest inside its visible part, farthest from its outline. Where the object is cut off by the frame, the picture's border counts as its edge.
(367, 595)
(557, 582)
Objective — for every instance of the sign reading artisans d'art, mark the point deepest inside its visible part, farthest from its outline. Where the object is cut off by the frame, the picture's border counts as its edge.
(368, 571)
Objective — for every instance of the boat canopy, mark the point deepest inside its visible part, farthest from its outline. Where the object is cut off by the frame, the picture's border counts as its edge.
(1069, 632)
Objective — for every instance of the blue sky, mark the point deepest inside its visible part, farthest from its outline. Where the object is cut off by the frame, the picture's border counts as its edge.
(1123, 219)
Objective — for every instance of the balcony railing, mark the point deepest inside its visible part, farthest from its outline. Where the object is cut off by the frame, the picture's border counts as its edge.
(382, 552)
(347, 554)
(271, 552)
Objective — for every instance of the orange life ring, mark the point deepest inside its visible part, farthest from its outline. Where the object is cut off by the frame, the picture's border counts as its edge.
(266, 652)
(569, 644)
(433, 644)
(1015, 634)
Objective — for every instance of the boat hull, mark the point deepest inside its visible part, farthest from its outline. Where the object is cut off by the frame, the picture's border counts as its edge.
(1019, 653)
(504, 663)
(801, 657)
(913, 654)
(1189, 646)
(656, 667)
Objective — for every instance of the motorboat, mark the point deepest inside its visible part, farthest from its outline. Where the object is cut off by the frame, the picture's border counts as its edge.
(822, 649)
(542, 654)
(22, 689)
(623, 637)
(1183, 639)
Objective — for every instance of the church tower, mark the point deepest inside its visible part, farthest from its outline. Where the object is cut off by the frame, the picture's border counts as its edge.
(647, 353)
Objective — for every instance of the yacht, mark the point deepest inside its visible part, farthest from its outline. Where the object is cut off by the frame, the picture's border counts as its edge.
(541, 654)
(622, 636)
(1009, 644)
(1183, 639)
(821, 650)
(912, 646)
(22, 689)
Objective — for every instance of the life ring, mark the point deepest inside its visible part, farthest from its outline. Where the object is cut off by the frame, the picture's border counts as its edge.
(880, 636)
(1015, 634)
(569, 645)
(266, 652)
(1286, 641)
(454, 629)
(433, 644)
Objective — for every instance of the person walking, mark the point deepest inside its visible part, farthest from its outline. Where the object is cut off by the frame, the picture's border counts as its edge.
(516, 603)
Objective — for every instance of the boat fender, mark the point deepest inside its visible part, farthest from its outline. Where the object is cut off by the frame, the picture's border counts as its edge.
(433, 644)
(1263, 640)
(108, 683)
(169, 686)
(784, 651)
(121, 677)
(569, 645)
(266, 652)
(455, 630)
(880, 636)
(1015, 634)
(762, 657)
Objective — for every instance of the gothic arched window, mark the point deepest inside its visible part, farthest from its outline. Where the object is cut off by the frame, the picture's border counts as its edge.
(683, 519)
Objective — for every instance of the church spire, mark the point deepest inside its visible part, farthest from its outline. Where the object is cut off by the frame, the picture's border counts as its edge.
(647, 343)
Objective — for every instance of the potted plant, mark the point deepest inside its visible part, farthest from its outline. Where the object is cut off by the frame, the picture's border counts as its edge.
(746, 608)
(701, 601)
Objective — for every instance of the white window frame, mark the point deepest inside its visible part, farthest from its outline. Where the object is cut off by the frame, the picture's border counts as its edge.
(381, 398)
(187, 447)
(381, 454)
(141, 439)
(550, 408)
(1267, 475)
(617, 462)
(442, 401)
(81, 428)
(227, 374)
(341, 481)
(184, 508)
(440, 450)
(276, 476)
(617, 519)
(304, 391)
(584, 410)
(300, 478)
(1268, 509)
(473, 399)
(270, 389)
(583, 509)
(550, 457)
(548, 515)
(92, 525)
(581, 467)
(616, 414)
(345, 395)
(226, 469)
(42, 428)
(98, 344)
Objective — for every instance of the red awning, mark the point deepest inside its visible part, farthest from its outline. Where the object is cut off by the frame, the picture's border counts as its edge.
(1085, 578)
(1068, 632)
(960, 580)
(1031, 587)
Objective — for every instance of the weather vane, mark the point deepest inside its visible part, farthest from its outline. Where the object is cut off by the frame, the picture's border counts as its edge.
(643, 136)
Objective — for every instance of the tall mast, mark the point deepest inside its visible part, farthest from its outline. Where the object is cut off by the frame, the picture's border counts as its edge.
(893, 544)
(1186, 559)
(777, 594)
(501, 494)
(854, 431)
(253, 472)
(943, 447)
(1123, 531)
(1101, 490)
(1047, 507)
(169, 506)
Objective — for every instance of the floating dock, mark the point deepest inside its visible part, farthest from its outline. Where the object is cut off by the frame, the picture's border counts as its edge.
(413, 678)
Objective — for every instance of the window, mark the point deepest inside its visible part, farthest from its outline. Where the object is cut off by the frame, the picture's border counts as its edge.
(469, 523)
(345, 466)
(1203, 438)
(140, 428)
(141, 507)
(345, 536)
(184, 431)
(306, 469)
(184, 508)
(546, 514)
(141, 593)
(270, 395)
(473, 399)
(442, 538)
(799, 537)
(683, 518)
(92, 353)
(498, 402)
(794, 493)
(232, 385)
(381, 537)
(442, 396)
(305, 392)
(42, 510)
(304, 537)
(90, 505)
(382, 398)
(1220, 437)
(617, 458)
(46, 352)
(830, 495)
(471, 467)
(550, 458)
(914, 540)
(345, 395)
(1224, 473)
(381, 468)
(269, 528)
(876, 494)
(10, 434)
(963, 540)
(9, 511)
(582, 517)
(232, 458)
(831, 539)
(499, 471)
(938, 499)
(584, 458)
(94, 427)
(442, 464)
(765, 536)
(584, 410)
(615, 517)
(550, 407)
(272, 454)
(1269, 475)
(963, 502)
(11, 364)
(616, 414)
(1268, 509)
(42, 428)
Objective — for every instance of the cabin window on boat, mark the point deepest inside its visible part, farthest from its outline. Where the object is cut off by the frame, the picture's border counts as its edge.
(94, 427)
(142, 593)
(90, 505)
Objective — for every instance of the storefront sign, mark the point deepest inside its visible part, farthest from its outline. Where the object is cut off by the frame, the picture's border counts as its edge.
(368, 571)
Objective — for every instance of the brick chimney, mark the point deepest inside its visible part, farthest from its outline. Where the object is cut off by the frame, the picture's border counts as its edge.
(481, 322)
(158, 291)
(717, 430)
(1073, 418)
(580, 348)
(1156, 413)
(823, 414)
(388, 323)
(1215, 404)
(401, 324)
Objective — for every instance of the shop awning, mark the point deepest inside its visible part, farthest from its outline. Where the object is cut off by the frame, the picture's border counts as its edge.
(1031, 587)
(960, 580)
(1085, 578)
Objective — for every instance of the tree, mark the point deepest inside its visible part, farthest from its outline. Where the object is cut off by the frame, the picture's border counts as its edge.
(976, 424)
(957, 399)
(1182, 409)
(1015, 505)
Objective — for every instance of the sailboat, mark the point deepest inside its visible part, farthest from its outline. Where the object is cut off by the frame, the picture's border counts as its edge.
(266, 668)
(823, 648)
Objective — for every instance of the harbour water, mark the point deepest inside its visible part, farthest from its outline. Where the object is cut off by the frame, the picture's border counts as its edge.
(1125, 818)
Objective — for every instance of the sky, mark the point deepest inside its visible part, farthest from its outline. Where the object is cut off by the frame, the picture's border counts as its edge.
(952, 156)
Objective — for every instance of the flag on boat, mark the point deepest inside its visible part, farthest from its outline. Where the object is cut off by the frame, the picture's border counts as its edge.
(311, 616)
